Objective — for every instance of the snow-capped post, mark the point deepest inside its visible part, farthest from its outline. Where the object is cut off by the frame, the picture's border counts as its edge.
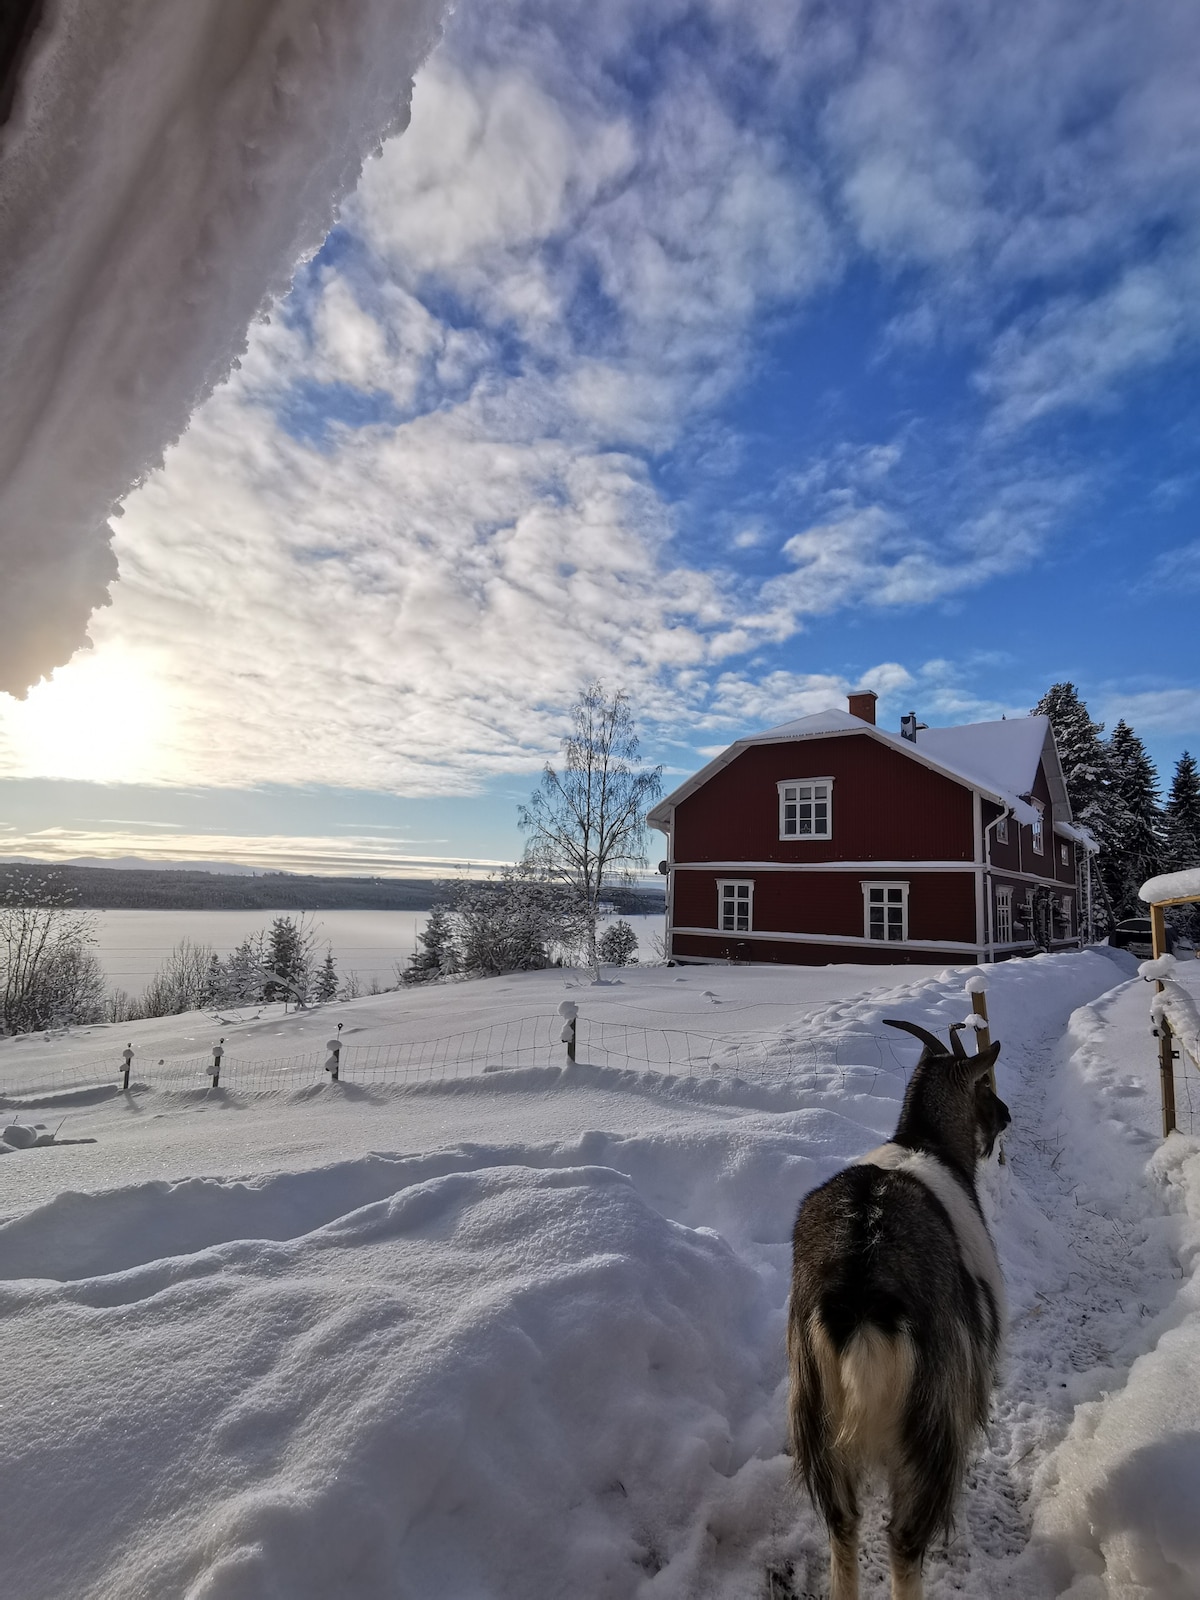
(218, 1052)
(569, 1012)
(1168, 889)
(127, 1058)
(977, 989)
(334, 1046)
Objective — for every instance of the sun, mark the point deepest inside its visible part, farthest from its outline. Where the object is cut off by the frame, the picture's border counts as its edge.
(101, 719)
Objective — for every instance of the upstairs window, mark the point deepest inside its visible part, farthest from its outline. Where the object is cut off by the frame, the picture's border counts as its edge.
(1064, 855)
(806, 809)
(1002, 830)
(886, 909)
(735, 902)
(1038, 831)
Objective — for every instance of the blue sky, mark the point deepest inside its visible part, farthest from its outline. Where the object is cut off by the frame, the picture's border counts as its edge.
(734, 353)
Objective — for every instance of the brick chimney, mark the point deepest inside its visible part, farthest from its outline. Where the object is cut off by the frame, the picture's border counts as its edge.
(862, 705)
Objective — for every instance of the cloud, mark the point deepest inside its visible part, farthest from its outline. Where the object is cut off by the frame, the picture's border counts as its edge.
(1175, 571)
(1165, 711)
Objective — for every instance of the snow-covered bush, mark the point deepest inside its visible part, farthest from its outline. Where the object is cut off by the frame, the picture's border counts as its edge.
(618, 945)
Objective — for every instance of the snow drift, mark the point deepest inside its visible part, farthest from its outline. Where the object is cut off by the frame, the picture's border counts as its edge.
(166, 164)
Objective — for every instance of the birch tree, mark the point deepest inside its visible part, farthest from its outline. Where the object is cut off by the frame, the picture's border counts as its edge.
(586, 824)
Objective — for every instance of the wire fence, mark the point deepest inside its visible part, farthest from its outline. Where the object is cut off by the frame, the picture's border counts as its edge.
(852, 1060)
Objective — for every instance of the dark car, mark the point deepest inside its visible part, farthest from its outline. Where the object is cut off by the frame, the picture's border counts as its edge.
(1135, 936)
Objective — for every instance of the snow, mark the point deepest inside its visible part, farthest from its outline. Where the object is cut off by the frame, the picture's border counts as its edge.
(1000, 756)
(522, 1334)
(1171, 886)
(165, 165)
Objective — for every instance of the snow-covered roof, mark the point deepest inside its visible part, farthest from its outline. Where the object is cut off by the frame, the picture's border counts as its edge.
(1001, 756)
(1170, 886)
(999, 759)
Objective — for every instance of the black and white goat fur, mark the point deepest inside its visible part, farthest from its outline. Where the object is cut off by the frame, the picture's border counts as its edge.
(896, 1317)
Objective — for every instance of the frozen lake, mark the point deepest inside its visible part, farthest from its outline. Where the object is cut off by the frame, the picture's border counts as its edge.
(132, 945)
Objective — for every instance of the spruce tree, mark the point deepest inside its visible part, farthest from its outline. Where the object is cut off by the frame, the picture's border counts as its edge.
(1182, 845)
(1182, 814)
(1136, 851)
(289, 959)
(436, 955)
(1087, 774)
(327, 979)
(1083, 755)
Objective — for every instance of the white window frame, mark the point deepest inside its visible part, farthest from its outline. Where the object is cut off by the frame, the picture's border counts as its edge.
(1002, 828)
(1064, 854)
(1004, 915)
(1037, 831)
(890, 893)
(732, 900)
(813, 801)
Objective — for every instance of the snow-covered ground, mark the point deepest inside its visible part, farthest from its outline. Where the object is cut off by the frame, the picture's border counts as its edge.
(521, 1334)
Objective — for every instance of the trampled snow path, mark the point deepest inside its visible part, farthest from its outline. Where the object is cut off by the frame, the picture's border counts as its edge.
(523, 1336)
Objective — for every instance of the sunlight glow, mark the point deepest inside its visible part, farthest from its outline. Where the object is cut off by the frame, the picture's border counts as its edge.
(101, 718)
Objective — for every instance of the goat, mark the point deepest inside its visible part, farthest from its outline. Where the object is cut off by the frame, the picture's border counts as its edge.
(896, 1317)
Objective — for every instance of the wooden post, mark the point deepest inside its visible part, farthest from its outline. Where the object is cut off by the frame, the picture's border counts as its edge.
(127, 1057)
(1166, 1050)
(333, 1065)
(218, 1052)
(569, 1012)
(983, 1038)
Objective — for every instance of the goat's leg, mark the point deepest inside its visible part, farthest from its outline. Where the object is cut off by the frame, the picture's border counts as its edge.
(842, 1518)
(906, 1574)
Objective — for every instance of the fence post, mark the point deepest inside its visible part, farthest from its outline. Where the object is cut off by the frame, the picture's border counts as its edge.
(977, 989)
(127, 1057)
(333, 1065)
(569, 1011)
(218, 1052)
(1166, 1051)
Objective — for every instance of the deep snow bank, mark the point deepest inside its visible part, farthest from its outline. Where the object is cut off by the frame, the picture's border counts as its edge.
(521, 1366)
(166, 164)
(323, 1417)
(1116, 1514)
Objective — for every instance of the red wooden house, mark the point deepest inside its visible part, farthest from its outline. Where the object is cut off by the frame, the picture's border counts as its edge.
(830, 839)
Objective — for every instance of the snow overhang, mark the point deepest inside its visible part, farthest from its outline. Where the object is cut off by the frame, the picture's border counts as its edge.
(1171, 888)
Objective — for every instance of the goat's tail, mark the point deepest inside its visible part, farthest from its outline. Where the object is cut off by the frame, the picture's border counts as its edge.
(846, 1409)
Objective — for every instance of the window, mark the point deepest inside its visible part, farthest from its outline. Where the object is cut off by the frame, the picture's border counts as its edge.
(886, 906)
(1064, 855)
(1039, 833)
(1004, 916)
(1002, 830)
(734, 900)
(806, 809)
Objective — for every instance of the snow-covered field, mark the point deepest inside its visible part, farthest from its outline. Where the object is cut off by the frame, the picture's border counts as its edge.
(521, 1334)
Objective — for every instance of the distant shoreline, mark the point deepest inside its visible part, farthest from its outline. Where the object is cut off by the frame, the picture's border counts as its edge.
(170, 889)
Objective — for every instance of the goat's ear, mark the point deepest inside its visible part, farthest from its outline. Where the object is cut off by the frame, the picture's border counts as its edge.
(977, 1065)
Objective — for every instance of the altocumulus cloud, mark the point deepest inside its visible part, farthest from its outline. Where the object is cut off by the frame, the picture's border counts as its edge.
(427, 505)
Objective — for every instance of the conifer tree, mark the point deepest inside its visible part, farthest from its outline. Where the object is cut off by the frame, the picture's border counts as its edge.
(1182, 843)
(1182, 814)
(289, 961)
(1136, 849)
(327, 979)
(436, 955)
(1086, 772)
(1084, 757)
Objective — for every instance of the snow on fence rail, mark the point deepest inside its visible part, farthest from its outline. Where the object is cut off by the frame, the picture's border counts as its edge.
(852, 1060)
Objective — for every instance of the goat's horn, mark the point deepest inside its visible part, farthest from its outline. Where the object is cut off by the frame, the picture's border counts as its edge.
(930, 1040)
(956, 1043)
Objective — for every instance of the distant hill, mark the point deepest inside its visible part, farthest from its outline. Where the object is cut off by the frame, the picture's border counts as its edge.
(148, 889)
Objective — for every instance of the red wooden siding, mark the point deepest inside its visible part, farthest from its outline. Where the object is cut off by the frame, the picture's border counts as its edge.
(886, 807)
(941, 905)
